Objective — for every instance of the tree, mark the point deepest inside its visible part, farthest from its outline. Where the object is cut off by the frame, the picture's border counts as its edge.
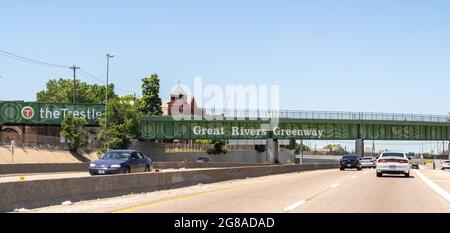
(336, 149)
(301, 147)
(73, 129)
(124, 120)
(61, 91)
(218, 148)
(204, 141)
(150, 101)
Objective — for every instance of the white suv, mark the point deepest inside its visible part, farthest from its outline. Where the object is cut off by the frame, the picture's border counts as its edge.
(393, 163)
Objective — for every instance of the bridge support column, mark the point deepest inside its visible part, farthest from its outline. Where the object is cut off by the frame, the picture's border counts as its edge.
(359, 147)
(272, 151)
(448, 151)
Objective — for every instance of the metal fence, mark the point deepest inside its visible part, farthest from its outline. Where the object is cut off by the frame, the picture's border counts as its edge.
(193, 147)
(325, 115)
(41, 141)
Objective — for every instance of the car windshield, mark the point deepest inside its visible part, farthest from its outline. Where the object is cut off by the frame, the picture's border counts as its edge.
(114, 155)
(392, 155)
(349, 157)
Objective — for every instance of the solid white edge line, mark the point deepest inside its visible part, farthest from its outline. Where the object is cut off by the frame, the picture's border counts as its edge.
(295, 205)
(434, 186)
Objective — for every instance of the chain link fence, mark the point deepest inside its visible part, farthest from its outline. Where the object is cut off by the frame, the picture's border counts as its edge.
(43, 142)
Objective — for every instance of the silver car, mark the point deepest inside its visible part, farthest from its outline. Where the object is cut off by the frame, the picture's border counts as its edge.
(368, 162)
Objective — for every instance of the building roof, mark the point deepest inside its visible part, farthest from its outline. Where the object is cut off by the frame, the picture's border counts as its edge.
(177, 90)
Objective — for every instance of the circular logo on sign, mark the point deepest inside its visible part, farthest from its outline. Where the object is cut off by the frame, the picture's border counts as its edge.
(27, 112)
(10, 112)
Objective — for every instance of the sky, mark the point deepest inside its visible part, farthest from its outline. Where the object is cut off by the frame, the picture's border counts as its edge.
(366, 55)
(371, 55)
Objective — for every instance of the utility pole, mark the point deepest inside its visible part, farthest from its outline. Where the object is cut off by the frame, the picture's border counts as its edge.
(108, 56)
(74, 68)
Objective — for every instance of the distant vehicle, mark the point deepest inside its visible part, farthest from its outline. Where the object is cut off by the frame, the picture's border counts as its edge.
(368, 162)
(393, 163)
(350, 161)
(445, 164)
(203, 159)
(121, 161)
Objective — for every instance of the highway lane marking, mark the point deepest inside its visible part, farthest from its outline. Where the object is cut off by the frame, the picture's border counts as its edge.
(334, 185)
(172, 200)
(301, 202)
(433, 186)
(294, 206)
(189, 196)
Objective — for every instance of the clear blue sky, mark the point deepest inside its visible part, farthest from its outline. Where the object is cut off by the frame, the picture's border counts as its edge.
(366, 55)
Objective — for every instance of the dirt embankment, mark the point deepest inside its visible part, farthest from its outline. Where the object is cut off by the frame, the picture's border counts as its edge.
(37, 155)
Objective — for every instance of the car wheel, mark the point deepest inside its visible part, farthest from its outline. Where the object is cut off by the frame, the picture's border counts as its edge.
(407, 174)
(379, 174)
(148, 168)
(359, 168)
(342, 169)
(127, 170)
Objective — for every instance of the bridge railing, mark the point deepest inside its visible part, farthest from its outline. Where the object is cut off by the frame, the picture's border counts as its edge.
(326, 115)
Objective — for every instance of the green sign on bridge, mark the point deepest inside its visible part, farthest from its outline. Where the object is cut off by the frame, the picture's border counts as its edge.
(33, 113)
(165, 127)
(283, 125)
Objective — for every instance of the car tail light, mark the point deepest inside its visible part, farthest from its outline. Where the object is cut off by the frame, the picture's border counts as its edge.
(392, 161)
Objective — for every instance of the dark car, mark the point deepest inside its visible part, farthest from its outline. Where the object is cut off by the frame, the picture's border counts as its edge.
(203, 159)
(121, 161)
(350, 161)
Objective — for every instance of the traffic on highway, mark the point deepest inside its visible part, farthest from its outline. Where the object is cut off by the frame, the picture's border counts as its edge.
(224, 116)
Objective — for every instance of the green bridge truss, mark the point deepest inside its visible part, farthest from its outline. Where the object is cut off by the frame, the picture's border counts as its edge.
(248, 124)
(165, 127)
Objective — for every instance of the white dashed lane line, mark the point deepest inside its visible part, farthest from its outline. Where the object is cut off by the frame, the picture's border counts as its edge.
(301, 202)
(294, 206)
(334, 185)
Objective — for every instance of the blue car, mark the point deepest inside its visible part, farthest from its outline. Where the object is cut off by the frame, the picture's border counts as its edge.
(121, 161)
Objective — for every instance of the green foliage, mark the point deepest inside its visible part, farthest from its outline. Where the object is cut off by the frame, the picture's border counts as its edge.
(123, 121)
(218, 148)
(301, 147)
(150, 103)
(61, 91)
(204, 141)
(260, 148)
(336, 149)
(73, 129)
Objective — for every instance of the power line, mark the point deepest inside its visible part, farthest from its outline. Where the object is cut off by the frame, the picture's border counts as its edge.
(31, 69)
(84, 73)
(29, 60)
(91, 77)
(94, 79)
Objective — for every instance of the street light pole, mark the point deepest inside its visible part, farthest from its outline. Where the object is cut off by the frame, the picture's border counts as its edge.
(108, 56)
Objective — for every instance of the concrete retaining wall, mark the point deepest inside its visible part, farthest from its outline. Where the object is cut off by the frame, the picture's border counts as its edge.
(34, 194)
(83, 167)
(42, 168)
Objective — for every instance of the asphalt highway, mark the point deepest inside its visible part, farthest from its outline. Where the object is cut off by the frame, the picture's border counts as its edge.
(315, 191)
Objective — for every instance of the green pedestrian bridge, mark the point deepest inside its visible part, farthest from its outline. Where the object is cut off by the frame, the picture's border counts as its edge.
(248, 124)
(308, 125)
